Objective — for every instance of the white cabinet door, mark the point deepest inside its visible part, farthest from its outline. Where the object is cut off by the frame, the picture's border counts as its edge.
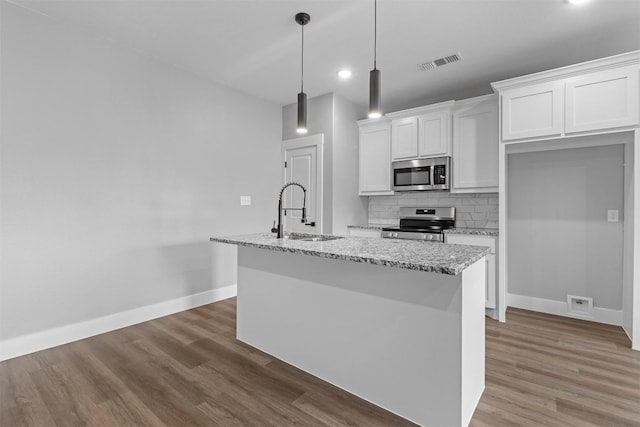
(375, 159)
(475, 147)
(434, 134)
(533, 111)
(404, 138)
(487, 241)
(602, 100)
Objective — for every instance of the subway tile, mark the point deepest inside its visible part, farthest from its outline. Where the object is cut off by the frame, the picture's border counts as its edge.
(486, 208)
(472, 210)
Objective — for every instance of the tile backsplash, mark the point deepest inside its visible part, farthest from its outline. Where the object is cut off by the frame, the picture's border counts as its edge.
(472, 210)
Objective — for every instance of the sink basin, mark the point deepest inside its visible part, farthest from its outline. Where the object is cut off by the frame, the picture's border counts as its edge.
(311, 238)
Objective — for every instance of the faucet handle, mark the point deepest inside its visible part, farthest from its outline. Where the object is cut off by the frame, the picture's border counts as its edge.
(274, 229)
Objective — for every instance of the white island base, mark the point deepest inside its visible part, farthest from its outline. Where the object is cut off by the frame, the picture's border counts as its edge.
(409, 341)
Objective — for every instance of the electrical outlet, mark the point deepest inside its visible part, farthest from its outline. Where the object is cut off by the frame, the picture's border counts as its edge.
(612, 215)
(245, 200)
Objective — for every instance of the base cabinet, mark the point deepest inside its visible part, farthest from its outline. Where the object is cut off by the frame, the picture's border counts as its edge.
(490, 259)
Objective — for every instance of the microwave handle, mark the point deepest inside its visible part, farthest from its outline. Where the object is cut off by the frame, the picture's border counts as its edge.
(432, 172)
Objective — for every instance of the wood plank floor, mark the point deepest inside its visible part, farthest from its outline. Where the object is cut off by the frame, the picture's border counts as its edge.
(189, 370)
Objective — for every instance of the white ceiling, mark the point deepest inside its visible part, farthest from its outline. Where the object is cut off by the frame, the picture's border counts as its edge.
(254, 45)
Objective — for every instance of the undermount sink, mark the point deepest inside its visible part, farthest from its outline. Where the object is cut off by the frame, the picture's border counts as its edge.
(311, 238)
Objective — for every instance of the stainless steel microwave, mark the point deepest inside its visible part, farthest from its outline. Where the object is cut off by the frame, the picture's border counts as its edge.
(422, 174)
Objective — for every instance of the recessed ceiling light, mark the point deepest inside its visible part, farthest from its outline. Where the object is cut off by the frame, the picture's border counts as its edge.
(344, 74)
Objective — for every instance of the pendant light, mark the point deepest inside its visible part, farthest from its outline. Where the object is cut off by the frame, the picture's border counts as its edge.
(374, 75)
(302, 19)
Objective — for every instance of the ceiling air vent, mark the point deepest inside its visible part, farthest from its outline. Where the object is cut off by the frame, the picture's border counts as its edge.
(430, 65)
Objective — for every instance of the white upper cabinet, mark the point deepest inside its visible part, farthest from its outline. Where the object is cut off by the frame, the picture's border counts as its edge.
(533, 111)
(589, 98)
(421, 132)
(374, 157)
(607, 99)
(404, 137)
(434, 134)
(475, 145)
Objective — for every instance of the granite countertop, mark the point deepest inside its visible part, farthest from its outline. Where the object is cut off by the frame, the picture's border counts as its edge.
(410, 254)
(473, 231)
(460, 230)
(370, 226)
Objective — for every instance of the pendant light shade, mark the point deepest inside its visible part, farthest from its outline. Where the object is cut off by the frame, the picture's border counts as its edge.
(302, 19)
(375, 109)
(302, 113)
(374, 94)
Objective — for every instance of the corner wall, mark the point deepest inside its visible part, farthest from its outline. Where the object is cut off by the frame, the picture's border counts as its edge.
(348, 207)
(336, 118)
(319, 120)
(560, 241)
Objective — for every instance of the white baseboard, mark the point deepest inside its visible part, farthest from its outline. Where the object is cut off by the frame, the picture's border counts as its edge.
(37, 341)
(600, 315)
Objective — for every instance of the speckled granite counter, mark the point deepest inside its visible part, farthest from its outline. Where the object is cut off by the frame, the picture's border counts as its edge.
(474, 231)
(413, 255)
(370, 226)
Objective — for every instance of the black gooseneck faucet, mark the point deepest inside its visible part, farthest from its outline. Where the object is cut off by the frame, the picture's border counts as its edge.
(279, 231)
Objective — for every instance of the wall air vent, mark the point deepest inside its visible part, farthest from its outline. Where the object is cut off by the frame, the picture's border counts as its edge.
(430, 65)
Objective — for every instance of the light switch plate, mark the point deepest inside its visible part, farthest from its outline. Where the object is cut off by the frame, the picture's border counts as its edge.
(612, 215)
(245, 200)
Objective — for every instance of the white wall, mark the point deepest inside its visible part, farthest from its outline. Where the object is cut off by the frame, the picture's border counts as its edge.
(559, 239)
(348, 207)
(335, 117)
(115, 171)
(319, 120)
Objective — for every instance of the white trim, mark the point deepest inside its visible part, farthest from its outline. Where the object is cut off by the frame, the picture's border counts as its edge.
(616, 61)
(635, 310)
(42, 340)
(618, 136)
(501, 274)
(315, 140)
(441, 106)
(559, 308)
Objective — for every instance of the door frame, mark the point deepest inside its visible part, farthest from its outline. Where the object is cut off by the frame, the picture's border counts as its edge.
(316, 140)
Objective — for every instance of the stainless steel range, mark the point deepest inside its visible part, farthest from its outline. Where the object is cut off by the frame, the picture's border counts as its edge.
(422, 224)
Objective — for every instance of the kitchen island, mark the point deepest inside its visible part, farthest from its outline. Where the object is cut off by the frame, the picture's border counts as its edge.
(398, 323)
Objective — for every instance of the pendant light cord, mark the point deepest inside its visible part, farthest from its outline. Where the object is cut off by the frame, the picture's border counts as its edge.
(302, 63)
(375, 32)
